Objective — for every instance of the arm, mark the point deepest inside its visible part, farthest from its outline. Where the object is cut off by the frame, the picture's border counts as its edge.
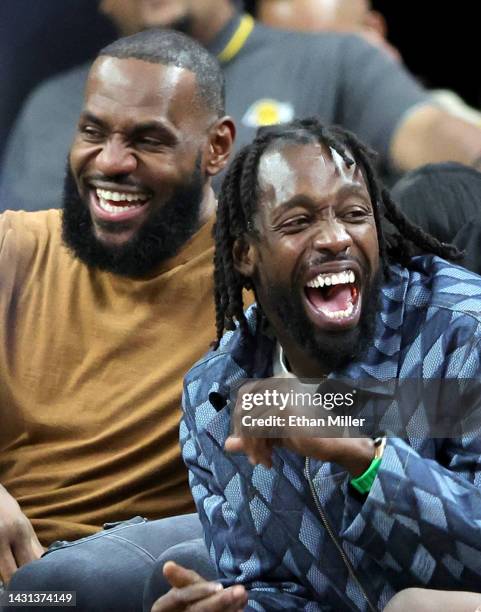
(383, 103)
(18, 542)
(431, 134)
(428, 515)
(230, 529)
(426, 498)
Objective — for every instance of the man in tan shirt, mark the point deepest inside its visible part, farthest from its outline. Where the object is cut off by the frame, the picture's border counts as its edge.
(105, 306)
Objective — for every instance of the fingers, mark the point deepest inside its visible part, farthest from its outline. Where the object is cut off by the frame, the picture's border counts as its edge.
(179, 576)
(26, 546)
(258, 450)
(234, 445)
(178, 599)
(202, 597)
(8, 565)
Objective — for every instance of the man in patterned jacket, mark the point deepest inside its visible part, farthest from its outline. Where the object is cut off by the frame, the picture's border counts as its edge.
(313, 523)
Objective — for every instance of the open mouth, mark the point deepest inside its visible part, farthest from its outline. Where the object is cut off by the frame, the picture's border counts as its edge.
(113, 205)
(334, 298)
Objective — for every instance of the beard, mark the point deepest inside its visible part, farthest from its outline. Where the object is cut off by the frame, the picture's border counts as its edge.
(160, 237)
(331, 349)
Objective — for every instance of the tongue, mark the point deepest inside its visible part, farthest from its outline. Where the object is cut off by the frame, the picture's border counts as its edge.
(333, 299)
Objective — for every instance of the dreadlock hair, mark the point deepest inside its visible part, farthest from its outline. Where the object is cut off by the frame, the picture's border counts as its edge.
(239, 197)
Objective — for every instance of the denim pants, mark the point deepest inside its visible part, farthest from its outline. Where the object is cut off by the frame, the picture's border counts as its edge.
(109, 570)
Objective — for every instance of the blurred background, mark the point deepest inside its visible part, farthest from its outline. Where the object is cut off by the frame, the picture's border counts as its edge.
(39, 38)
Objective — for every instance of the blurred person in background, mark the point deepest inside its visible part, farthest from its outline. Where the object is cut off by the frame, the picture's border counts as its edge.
(445, 200)
(334, 15)
(271, 76)
(31, 175)
(355, 16)
(39, 40)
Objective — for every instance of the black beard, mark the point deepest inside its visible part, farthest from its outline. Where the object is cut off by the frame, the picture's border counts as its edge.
(332, 350)
(159, 239)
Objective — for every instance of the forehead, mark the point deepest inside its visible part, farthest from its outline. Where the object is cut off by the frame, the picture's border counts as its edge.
(312, 170)
(137, 89)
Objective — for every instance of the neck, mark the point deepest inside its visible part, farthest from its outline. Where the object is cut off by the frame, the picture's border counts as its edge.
(207, 27)
(208, 205)
(302, 365)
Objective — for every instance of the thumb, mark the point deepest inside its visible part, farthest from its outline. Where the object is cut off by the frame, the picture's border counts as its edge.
(179, 576)
(234, 445)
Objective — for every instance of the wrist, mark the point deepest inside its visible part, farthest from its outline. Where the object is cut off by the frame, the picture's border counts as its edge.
(364, 482)
(359, 457)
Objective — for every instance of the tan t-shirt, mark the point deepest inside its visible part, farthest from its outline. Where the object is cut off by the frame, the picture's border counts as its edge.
(91, 369)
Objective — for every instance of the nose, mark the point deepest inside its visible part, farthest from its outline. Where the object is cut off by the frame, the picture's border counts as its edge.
(116, 157)
(331, 235)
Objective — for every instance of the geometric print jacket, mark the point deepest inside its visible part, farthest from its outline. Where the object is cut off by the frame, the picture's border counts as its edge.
(297, 535)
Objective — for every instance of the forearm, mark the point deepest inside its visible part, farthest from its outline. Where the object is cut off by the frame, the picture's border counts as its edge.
(431, 135)
(425, 513)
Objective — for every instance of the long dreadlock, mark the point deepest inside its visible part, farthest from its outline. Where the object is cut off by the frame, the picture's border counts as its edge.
(238, 203)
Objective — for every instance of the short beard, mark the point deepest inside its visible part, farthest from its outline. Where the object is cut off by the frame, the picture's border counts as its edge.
(332, 350)
(159, 239)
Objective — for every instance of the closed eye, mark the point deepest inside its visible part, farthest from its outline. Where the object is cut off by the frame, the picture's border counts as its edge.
(91, 133)
(150, 141)
(356, 215)
(295, 224)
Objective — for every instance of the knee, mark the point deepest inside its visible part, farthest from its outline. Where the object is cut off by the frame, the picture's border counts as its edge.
(44, 574)
(62, 570)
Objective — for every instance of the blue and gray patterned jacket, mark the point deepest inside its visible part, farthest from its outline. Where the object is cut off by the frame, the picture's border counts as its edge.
(297, 535)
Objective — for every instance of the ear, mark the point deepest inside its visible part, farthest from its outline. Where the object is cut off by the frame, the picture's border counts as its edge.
(375, 21)
(244, 254)
(221, 140)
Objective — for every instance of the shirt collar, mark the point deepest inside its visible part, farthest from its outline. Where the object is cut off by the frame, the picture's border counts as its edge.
(233, 36)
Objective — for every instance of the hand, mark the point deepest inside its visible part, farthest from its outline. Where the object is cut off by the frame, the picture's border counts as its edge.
(18, 542)
(353, 454)
(191, 593)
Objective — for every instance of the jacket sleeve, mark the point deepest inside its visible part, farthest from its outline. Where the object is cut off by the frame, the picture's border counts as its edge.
(422, 517)
(230, 531)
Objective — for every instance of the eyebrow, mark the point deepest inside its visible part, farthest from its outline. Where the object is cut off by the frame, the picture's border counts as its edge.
(299, 199)
(88, 116)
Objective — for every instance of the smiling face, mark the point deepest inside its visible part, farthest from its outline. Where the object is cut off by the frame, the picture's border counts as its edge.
(139, 138)
(315, 261)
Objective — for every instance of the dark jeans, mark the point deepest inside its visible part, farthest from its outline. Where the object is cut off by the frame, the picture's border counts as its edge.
(109, 569)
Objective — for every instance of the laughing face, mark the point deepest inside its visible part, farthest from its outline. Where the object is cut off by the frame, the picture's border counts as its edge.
(315, 260)
(137, 166)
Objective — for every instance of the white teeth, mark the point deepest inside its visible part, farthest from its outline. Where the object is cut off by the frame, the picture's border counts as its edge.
(116, 209)
(342, 278)
(118, 196)
(340, 314)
